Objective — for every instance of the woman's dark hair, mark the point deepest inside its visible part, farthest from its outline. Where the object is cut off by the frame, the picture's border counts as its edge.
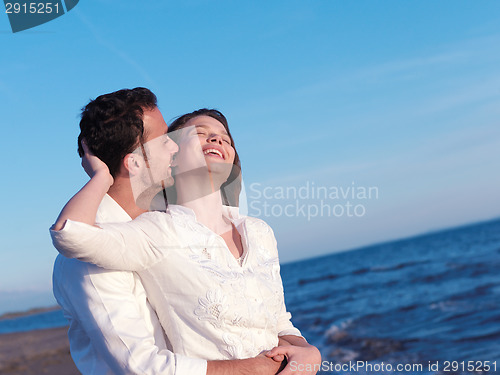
(112, 125)
(230, 190)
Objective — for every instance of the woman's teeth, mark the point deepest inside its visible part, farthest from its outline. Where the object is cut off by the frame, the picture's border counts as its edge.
(213, 151)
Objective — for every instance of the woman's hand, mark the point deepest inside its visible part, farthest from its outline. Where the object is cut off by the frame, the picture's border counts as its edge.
(302, 360)
(84, 204)
(280, 357)
(93, 165)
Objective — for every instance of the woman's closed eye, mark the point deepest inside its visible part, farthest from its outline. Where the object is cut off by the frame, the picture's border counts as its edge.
(204, 133)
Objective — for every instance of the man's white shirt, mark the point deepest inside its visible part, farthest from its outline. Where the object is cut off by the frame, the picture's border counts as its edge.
(113, 329)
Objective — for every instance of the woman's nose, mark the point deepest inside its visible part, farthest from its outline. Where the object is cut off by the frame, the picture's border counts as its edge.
(215, 138)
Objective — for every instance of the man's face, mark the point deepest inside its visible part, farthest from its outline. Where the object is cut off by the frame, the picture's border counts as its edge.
(158, 147)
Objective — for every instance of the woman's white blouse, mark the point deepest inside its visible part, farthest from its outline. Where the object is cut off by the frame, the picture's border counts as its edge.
(209, 305)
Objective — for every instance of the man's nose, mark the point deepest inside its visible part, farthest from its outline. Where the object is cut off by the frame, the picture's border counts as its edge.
(173, 146)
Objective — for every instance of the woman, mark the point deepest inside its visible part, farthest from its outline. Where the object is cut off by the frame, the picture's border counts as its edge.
(211, 275)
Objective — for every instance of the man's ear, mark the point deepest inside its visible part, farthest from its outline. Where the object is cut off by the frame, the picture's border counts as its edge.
(133, 163)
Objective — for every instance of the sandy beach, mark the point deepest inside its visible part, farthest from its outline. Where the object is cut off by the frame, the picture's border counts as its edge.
(37, 352)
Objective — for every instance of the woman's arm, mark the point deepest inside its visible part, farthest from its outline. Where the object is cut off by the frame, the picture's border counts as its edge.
(83, 205)
(131, 246)
(299, 353)
(123, 246)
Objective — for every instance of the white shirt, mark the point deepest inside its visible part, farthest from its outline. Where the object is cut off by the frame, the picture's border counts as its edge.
(113, 329)
(209, 306)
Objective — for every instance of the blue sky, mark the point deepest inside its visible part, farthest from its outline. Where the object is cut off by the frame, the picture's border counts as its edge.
(401, 96)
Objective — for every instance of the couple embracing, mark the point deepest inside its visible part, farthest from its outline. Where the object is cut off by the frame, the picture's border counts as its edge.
(159, 273)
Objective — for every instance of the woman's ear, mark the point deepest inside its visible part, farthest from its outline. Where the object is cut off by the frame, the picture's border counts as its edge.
(133, 163)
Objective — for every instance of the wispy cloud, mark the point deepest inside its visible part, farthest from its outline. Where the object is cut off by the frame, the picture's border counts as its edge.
(462, 53)
(459, 149)
(487, 88)
(98, 35)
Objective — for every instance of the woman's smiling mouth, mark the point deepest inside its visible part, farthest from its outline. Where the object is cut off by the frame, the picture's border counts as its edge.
(213, 152)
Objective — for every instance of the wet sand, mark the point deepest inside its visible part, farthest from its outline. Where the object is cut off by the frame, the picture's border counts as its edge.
(37, 352)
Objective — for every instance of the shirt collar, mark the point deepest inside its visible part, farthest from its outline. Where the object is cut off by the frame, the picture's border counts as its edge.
(230, 212)
(110, 210)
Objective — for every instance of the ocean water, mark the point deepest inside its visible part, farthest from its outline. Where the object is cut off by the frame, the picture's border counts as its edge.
(42, 320)
(427, 301)
(420, 301)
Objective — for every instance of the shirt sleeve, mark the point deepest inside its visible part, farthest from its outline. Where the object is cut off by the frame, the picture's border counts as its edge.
(285, 325)
(130, 246)
(105, 316)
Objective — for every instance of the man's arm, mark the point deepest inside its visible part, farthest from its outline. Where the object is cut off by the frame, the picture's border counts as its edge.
(260, 365)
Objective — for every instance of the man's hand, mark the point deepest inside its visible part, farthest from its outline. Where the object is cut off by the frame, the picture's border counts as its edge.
(302, 360)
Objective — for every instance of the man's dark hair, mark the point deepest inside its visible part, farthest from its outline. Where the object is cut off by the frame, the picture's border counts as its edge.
(112, 125)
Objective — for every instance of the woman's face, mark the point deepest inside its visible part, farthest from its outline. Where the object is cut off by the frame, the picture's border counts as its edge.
(204, 143)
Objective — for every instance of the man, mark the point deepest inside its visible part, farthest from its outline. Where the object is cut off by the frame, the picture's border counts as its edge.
(113, 329)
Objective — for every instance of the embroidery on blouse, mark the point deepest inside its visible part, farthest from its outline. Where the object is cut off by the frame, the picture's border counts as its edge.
(210, 261)
(206, 253)
(243, 345)
(233, 347)
(235, 302)
(212, 308)
(238, 321)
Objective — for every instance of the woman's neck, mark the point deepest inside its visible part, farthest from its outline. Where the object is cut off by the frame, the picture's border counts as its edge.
(206, 202)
